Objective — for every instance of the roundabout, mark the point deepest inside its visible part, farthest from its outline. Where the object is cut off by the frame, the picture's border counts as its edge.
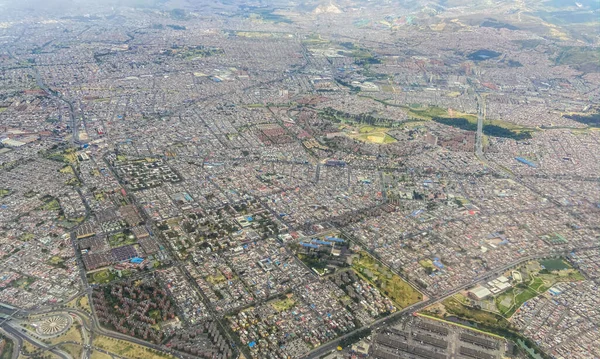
(54, 325)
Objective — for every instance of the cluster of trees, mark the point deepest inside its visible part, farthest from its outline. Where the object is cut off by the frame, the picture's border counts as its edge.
(370, 60)
(497, 131)
(178, 14)
(193, 51)
(460, 122)
(490, 130)
(176, 27)
(134, 309)
(363, 118)
(348, 85)
(98, 56)
(348, 341)
(590, 120)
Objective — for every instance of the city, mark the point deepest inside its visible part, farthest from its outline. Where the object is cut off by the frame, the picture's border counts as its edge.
(317, 179)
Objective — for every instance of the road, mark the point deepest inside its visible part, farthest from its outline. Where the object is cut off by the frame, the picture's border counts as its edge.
(39, 344)
(480, 118)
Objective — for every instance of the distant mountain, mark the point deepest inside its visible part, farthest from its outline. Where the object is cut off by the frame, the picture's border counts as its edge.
(327, 9)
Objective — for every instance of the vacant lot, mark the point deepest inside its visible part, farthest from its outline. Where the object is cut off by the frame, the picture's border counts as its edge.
(283, 304)
(127, 349)
(390, 284)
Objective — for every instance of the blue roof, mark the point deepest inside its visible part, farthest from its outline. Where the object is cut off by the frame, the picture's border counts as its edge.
(137, 260)
(335, 163)
(527, 162)
(252, 344)
(320, 242)
(309, 245)
(334, 239)
(554, 291)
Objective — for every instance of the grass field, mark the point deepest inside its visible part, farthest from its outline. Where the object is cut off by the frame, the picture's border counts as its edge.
(84, 304)
(74, 350)
(99, 355)
(127, 349)
(314, 39)
(120, 239)
(22, 282)
(81, 303)
(507, 125)
(71, 335)
(28, 348)
(372, 134)
(66, 156)
(100, 277)
(7, 346)
(255, 34)
(67, 169)
(56, 261)
(26, 237)
(4, 192)
(216, 279)
(454, 307)
(511, 300)
(426, 263)
(30, 194)
(390, 284)
(377, 138)
(565, 275)
(51, 205)
(426, 113)
(368, 129)
(539, 285)
(387, 88)
(283, 304)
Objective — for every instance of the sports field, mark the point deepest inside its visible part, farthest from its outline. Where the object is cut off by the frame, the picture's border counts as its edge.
(372, 134)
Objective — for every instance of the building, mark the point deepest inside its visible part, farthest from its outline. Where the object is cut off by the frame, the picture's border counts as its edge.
(479, 293)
